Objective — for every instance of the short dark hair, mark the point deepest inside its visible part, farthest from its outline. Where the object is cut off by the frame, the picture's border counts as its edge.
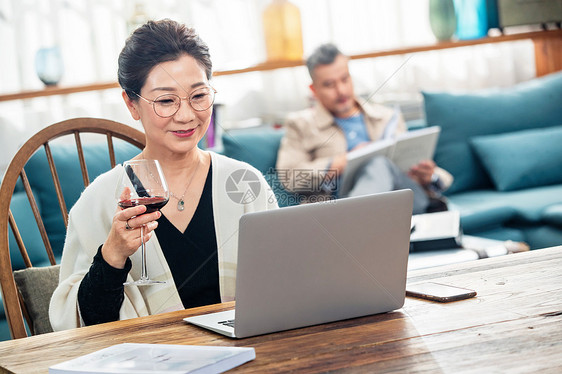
(323, 55)
(156, 42)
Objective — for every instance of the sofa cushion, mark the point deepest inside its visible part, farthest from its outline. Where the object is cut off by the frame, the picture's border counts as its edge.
(542, 236)
(553, 215)
(258, 147)
(522, 159)
(503, 232)
(23, 215)
(531, 104)
(485, 209)
(68, 168)
(4, 330)
(36, 286)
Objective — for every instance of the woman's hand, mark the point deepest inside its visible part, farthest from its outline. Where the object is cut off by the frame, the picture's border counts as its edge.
(125, 236)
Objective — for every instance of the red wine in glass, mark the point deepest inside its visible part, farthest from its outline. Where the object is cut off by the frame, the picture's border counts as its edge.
(142, 183)
(152, 203)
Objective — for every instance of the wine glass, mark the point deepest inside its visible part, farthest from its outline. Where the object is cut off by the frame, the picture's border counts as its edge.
(142, 183)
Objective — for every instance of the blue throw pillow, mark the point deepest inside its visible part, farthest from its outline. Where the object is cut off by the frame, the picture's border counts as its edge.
(461, 116)
(521, 159)
(259, 147)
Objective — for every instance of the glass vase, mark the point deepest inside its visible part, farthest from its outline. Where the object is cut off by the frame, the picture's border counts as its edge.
(49, 65)
(442, 19)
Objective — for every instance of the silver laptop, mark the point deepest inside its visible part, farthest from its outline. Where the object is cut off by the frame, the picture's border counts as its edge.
(316, 263)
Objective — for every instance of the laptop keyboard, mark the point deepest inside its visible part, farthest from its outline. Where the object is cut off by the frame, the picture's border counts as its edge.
(229, 323)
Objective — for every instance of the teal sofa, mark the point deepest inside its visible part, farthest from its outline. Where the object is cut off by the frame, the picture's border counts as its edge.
(503, 146)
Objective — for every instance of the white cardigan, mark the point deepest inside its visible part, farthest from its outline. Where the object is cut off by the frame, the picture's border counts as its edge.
(90, 222)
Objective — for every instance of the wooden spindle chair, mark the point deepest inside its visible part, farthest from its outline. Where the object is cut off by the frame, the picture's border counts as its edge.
(14, 302)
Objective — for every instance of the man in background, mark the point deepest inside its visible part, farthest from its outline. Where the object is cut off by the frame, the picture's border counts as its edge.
(313, 153)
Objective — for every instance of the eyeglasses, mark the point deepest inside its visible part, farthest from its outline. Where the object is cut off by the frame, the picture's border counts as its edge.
(168, 104)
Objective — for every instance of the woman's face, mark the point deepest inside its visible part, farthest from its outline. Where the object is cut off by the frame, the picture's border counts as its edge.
(181, 132)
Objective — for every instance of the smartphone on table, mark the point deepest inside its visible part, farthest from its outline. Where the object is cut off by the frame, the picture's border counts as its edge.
(438, 292)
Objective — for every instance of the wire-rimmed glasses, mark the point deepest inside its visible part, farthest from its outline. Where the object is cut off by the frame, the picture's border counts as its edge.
(168, 104)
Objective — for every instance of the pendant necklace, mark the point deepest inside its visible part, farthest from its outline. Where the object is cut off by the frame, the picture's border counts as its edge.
(181, 202)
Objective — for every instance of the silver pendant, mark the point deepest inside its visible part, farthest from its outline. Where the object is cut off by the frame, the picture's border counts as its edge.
(181, 205)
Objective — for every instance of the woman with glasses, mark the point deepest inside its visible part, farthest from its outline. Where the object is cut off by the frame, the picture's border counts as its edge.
(191, 243)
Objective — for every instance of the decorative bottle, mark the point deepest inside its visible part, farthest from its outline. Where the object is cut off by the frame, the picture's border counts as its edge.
(283, 31)
(472, 19)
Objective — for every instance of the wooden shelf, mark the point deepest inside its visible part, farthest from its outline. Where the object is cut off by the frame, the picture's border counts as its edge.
(464, 43)
(273, 65)
(55, 90)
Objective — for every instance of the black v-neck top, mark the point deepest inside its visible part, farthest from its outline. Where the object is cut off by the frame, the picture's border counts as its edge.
(191, 256)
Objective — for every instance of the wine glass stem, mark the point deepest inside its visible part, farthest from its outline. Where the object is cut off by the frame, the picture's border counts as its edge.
(144, 273)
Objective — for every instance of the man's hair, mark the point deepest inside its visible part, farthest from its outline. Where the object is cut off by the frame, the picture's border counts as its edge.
(323, 55)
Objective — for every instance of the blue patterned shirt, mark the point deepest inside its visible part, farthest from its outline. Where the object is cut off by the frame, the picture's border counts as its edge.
(354, 129)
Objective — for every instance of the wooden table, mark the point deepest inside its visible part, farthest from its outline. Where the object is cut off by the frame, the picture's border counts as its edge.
(513, 325)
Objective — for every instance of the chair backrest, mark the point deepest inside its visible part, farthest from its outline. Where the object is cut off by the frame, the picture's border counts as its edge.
(40, 146)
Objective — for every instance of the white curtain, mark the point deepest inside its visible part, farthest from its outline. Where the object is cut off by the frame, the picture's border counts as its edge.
(91, 33)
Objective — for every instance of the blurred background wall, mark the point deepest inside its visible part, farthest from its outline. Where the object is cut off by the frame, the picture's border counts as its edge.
(89, 35)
